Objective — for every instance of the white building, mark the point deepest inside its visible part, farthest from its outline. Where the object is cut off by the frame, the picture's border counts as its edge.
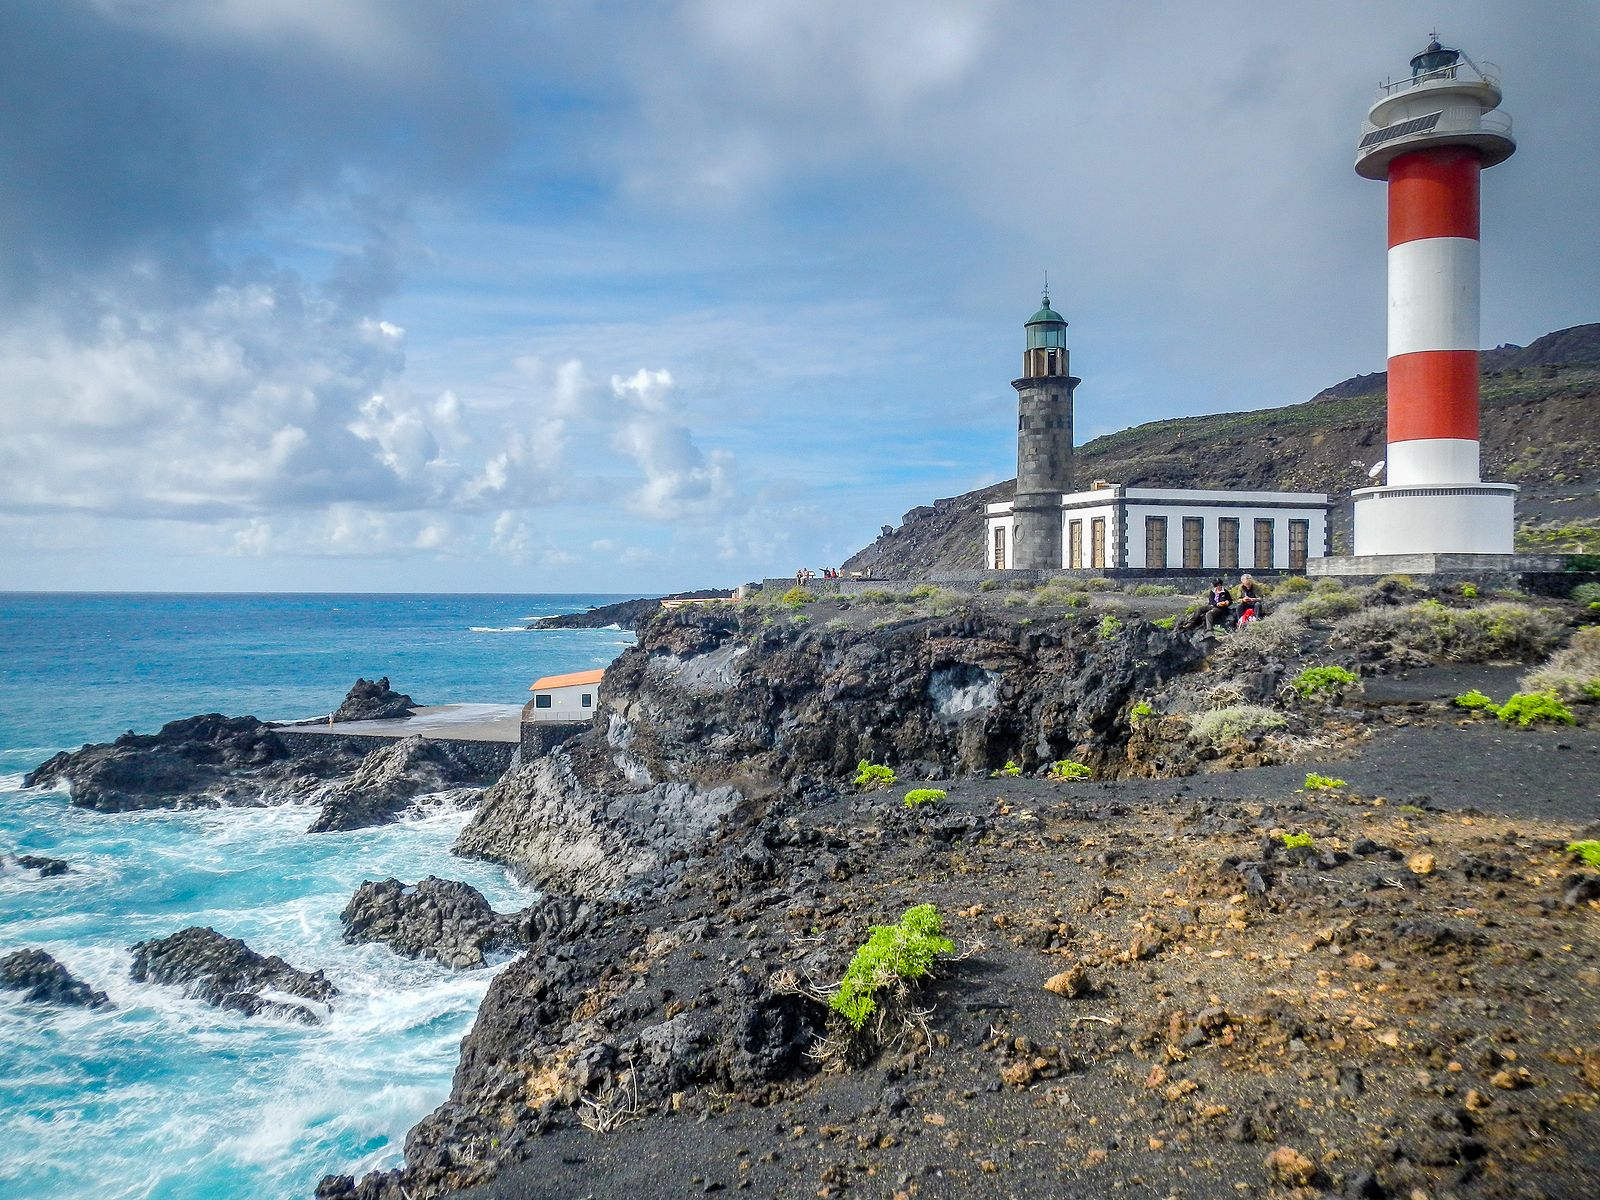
(1114, 527)
(569, 697)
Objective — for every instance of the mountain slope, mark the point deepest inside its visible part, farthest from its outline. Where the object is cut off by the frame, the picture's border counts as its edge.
(1540, 428)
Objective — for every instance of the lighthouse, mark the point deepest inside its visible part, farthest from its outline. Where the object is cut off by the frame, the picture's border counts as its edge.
(1429, 136)
(1044, 441)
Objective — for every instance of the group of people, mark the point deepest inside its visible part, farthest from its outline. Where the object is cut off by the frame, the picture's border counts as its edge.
(805, 573)
(1223, 608)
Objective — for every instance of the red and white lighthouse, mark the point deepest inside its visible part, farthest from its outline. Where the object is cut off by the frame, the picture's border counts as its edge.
(1430, 136)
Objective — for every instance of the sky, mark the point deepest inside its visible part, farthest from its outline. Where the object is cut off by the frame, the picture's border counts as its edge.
(392, 295)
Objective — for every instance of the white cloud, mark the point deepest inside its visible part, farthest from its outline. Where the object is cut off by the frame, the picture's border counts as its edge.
(680, 479)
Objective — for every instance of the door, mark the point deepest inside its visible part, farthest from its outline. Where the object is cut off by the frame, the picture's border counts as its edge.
(999, 547)
(1263, 544)
(1299, 540)
(1097, 542)
(1075, 545)
(1228, 543)
(1193, 542)
(1155, 542)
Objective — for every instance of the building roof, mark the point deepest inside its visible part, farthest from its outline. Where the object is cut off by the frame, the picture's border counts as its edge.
(568, 680)
(1046, 315)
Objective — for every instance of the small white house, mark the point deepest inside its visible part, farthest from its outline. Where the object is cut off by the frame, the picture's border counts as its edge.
(1112, 527)
(569, 697)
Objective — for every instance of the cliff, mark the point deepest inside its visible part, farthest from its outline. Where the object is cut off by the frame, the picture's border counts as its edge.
(1541, 430)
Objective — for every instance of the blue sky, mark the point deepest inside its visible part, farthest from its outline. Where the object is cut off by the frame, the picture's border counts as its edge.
(366, 294)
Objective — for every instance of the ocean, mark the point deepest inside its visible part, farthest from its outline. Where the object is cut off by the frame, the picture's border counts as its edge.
(168, 1097)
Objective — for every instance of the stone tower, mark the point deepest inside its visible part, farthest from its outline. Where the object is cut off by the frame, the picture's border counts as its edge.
(1044, 441)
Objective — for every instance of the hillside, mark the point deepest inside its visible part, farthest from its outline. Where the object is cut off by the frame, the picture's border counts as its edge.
(1541, 430)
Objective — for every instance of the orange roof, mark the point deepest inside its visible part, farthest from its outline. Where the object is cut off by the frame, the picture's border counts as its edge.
(567, 680)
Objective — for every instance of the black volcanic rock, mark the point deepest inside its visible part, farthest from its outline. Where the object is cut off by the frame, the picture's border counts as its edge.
(441, 919)
(373, 700)
(225, 972)
(46, 866)
(625, 614)
(389, 780)
(197, 762)
(45, 981)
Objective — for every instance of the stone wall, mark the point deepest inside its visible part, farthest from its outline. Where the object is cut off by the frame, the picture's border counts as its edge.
(541, 737)
(492, 758)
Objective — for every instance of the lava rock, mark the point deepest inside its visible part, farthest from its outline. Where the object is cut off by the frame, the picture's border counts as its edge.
(389, 780)
(442, 919)
(373, 700)
(45, 981)
(225, 972)
(46, 866)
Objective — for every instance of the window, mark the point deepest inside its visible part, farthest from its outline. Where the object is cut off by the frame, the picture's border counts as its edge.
(1193, 544)
(1050, 356)
(1263, 544)
(1299, 539)
(1155, 541)
(1075, 545)
(999, 547)
(1228, 543)
(1097, 542)
(542, 700)
(588, 700)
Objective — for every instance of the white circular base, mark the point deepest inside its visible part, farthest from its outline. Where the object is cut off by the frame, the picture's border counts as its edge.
(1475, 519)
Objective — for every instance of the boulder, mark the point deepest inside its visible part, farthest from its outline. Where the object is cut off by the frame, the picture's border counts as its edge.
(45, 981)
(46, 866)
(197, 762)
(441, 919)
(373, 700)
(389, 780)
(225, 972)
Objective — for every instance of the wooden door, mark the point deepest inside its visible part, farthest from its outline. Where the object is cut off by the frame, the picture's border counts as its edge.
(1299, 540)
(1097, 542)
(1228, 543)
(1075, 544)
(1155, 542)
(1193, 542)
(999, 547)
(1263, 544)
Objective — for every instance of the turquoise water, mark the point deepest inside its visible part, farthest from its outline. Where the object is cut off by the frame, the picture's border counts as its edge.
(164, 1096)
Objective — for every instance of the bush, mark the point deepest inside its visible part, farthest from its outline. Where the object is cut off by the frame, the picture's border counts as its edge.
(1402, 583)
(1280, 636)
(1573, 673)
(1587, 593)
(1492, 631)
(1155, 589)
(989, 585)
(875, 596)
(1010, 771)
(1477, 702)
(1109, 627)
(1295, 841)
(893, 955)
(1099, 583)
(1327, 606)
(1323, 783)
(1327, 586)
(1224, 725)
(1525, 708)
(1165, 622)
(1065, 770)
(870, 776)
(1469, 590)
(1048, 593)
(1318, 681)
(1588, 851)
(917, 797)
(1140, 712)
(797, 596)
(1292, 586)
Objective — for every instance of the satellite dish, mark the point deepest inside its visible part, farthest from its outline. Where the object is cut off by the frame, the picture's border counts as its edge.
(1376, 469)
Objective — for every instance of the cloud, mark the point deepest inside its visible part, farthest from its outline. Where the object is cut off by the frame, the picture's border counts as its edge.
(680, 479)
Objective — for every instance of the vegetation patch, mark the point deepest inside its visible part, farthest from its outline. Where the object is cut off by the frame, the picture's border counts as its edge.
(1323, 605)
(1142, 711)
(1323, 783)
(1165, 622)
(1292, 586)
(1527, 708)
(872, 776)
(1586, 593)
(1328, 682)
(1500, 630)
(920, 797)
(1477, 702)
(1573, 672)
(1109, 627)
(1469, 590)
(1155, 589)
(1296, 841)
(1066, 770)
(797, 596)
(1589, 851)
(1010, 771)
(1224, 725)
(893, 957)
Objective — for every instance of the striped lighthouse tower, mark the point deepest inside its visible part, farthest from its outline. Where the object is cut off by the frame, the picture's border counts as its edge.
(1429, 136)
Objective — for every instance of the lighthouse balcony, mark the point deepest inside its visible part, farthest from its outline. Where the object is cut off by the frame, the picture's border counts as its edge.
(1444, 120)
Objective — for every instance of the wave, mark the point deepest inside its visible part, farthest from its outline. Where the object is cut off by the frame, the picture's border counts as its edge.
(498, 628)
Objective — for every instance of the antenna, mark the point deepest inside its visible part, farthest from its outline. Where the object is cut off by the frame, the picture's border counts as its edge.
(1047, 289)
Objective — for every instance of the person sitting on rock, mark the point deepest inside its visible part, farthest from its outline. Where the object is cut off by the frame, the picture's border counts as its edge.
(1252, 607)
(1217, 608)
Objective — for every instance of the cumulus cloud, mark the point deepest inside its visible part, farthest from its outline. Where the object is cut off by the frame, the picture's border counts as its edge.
(680, 479)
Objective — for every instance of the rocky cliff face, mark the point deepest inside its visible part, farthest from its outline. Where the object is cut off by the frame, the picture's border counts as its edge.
(1540, 430)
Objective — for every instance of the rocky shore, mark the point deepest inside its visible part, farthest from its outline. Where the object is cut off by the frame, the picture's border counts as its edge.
(1267, 937)
(625, 614)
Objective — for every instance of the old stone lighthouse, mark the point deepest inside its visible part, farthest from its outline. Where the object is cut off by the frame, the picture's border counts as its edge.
(1044, 441)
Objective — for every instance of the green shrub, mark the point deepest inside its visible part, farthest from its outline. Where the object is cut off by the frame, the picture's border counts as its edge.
(1469, 590)
(1292, 586)
(1099, 583)
(1294, 841)
(1491, 631)
(1165, 622)
(1318, 681)
(797, 596)
(1588, 851)
(1323, 783)
(989, 585)
(1109, 627)
(875, 596)
(1327, 606)
(1009, 771)
(1280, 637)
(1065, 770)
(917, 797)
(1573, 672)
(871, 776)
(1224, 725)
(1141, 711)
(892, 955)
(1328, 586)
(1525, 708)
(1476, 701)
(1587, 593)
(1402, 582)
(1155, 589)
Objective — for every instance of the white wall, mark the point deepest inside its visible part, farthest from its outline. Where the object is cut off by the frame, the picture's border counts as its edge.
(566, 703)
(991, 523)
(1111, 513)
(1137, 510)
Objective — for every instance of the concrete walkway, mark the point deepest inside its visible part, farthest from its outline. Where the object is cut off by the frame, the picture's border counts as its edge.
(456, 722)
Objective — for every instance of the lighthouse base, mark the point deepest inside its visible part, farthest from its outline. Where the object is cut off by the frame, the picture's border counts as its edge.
(1471, 519)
